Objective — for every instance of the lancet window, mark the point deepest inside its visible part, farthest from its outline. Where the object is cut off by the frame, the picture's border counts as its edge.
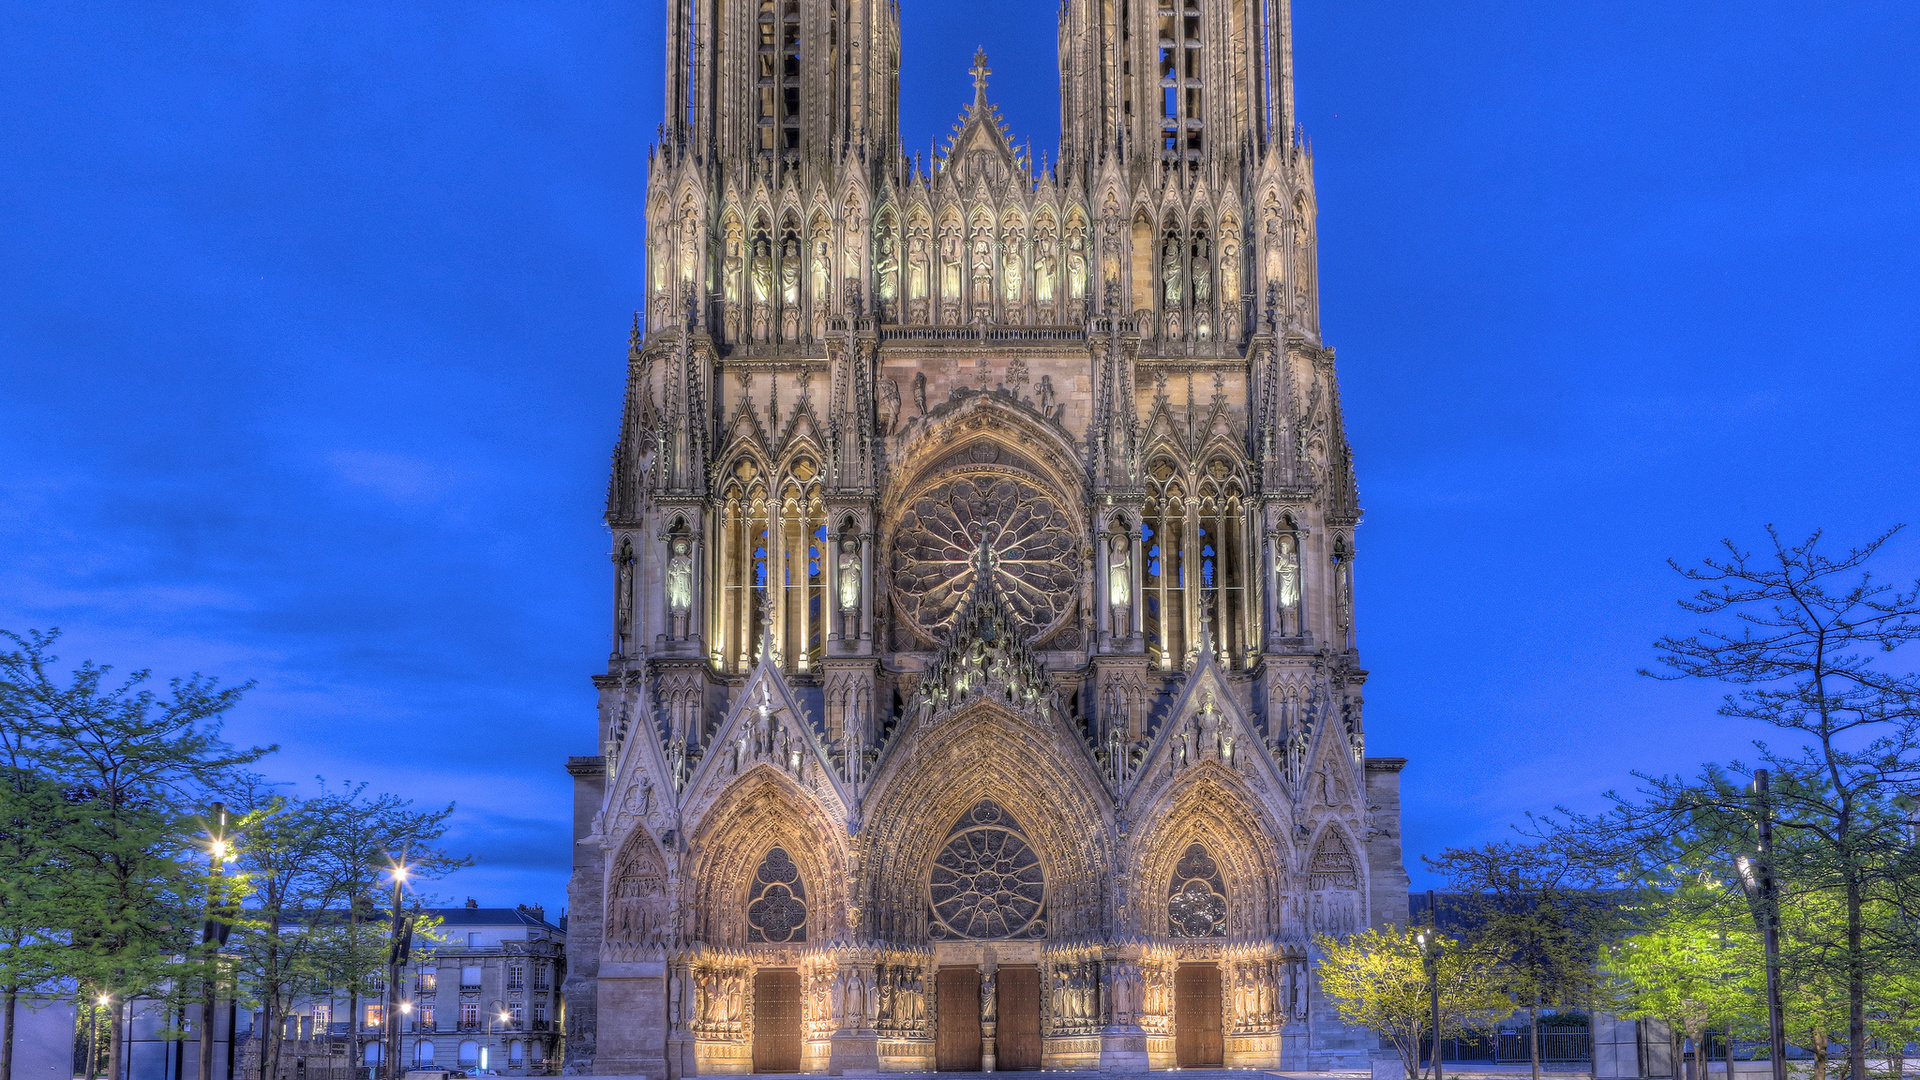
(773, 552)
(1194, 538)
(1197, 898)
(1182, 118)
(777, 902)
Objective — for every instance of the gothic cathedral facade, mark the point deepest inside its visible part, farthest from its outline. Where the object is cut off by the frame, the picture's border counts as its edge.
(984, 691)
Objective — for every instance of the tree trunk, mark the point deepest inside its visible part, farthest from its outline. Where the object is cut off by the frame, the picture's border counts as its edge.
(114, 1046)
(1677, 1051)
(1730, 1075)
(1819, 1041)
(1699, 1053)
(1533, 1033)
(6, 1033)
(1856, 987)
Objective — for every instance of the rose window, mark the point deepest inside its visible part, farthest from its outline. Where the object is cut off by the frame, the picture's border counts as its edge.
(938, 541)
(777, 907)
(987, 882)
(1197, 901)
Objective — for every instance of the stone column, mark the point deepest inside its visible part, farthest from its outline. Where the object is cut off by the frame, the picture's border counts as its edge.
(989, 1011)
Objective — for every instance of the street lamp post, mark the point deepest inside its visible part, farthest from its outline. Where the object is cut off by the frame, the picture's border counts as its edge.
(1429, 942)
(396, 956)
(214, 934)
(1756, 876)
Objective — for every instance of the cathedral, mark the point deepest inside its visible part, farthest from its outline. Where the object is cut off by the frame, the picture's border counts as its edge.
(983, 690)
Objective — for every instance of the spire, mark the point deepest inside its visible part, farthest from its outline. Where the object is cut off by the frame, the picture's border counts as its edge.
(980, 72)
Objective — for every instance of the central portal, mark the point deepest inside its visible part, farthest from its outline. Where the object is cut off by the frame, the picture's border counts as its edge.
(776, 1020)
(1017, 1040)
(1196, 1016)
(956, 1047)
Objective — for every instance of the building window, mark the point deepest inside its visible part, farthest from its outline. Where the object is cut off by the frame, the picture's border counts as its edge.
(777, 907)
(426, 1016)
(470, 977)
(540, 976)
(423, 1052)
(516, 1054)
(322, 1016)
(376, 1015)
(516, 975)
(469, 1053)
(427, 981)
(515, 1019)
(1197, 900)
(473, 940)
(469, 1015)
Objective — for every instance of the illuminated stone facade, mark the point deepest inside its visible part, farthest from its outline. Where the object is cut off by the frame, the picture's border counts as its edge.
(982, 573)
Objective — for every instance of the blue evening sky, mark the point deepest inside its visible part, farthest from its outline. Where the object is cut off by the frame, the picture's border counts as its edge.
(313, 319)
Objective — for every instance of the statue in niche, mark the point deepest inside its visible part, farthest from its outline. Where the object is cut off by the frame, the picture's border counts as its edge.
(920, 391)
(886, 267)
(1120, 582)
(1202, 274)
(680, 585)
(950, 263)
(982, 264)
(692, 226)
(1045, 393)
(1077, 266)
(1343, 596)
(917, 266)
(989, 1000)
(850, 582)
(1015, 269)
(790, 271)
(1045, 265)
(762, 269)
(733, 264)
(822, 269)
(889, 404)
(1286, 579)
(623, 600)
(1170, 273)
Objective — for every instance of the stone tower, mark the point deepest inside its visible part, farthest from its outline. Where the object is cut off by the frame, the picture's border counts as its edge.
(984, 688)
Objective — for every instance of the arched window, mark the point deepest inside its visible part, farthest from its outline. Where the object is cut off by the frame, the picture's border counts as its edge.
(777, 904)
(423, 1052)
(1181, 114)
(469, 1053)
(1197, 900)
(987, 882)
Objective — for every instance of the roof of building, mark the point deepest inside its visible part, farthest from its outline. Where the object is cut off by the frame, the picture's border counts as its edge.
(492, 916)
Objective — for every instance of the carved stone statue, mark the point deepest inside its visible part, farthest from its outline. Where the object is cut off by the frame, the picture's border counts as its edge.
(889, 404)
(1286, 582)
(1170, 273)
(850, 580)
(1045, 393)
(886, 268)
(1120, 582)
(920, 392)
(680, 584)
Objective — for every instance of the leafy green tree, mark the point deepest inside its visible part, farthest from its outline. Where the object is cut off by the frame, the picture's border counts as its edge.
(131, 765)
(1799, 633)
(1540, 914)
(1695, 967)
(1379, 980)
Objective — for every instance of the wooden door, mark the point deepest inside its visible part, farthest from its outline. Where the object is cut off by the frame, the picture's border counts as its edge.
(1016, 1042)
(776, 1020)
(1196, 1016)
(956, 1047)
